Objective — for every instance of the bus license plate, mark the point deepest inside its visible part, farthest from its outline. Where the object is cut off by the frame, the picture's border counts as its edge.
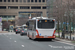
(45, 36)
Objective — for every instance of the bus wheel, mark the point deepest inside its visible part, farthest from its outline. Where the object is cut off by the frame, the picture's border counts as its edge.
(29, 38)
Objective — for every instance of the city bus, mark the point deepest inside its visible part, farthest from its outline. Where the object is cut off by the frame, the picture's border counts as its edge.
(41, 27)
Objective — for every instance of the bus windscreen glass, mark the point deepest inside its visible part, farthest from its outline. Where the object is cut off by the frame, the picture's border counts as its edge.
(46, 24)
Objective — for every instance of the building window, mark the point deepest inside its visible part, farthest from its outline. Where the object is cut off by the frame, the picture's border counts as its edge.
(12, 7)
(2, 7)
(43, 7)
(8, 0)
(24, 7)
(43, 0)
(16, 0)
(0, 0)
(20, 0)
(24, 0)
(35, 0)
(36, 7)
(4, 0)
(12, 0)
(31, 0)
(39, 0)
(28, 0)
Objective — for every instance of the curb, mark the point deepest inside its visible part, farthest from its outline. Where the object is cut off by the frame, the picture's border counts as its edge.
(59, 39)
(3, 31)
(63, 39)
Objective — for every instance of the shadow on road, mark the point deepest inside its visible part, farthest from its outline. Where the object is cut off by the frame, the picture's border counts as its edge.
(44, 40)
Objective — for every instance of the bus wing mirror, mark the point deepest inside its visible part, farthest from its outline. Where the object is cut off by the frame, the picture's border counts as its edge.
(27, 23)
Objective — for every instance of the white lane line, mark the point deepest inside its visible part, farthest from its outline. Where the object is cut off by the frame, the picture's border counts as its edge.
(60, 47)
(50, 46)
(15, 41)
(22, 45)
(66, 43)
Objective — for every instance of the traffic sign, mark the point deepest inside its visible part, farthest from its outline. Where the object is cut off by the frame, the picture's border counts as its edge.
(64, 22)
(0, 19)
(0, 24)
(67, 23)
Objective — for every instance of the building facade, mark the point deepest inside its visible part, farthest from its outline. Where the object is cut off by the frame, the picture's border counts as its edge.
(15, 12)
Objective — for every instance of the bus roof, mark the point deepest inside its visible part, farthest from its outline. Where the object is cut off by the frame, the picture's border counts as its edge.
(40, 18)
(35, 18)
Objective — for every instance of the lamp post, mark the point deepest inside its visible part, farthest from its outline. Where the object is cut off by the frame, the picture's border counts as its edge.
(69, 17)
(7, 23)
(0, 24)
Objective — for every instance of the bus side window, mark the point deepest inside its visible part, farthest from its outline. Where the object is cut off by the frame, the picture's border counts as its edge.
(30, 25)
(34, 25)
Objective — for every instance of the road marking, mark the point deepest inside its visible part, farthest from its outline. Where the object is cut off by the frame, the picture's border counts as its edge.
(50, 46)
(15, 41)
(65, 43)
(22, 45)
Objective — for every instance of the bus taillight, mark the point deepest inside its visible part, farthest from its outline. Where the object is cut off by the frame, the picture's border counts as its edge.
(54, 32)
(37, 32)
(53, 20)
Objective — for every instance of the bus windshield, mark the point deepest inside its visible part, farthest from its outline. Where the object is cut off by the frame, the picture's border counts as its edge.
(46, 24)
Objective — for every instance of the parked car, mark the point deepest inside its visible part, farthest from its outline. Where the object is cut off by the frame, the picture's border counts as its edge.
(18, 30)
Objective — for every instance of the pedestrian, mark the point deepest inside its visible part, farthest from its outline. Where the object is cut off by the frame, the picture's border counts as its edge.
(63, 33)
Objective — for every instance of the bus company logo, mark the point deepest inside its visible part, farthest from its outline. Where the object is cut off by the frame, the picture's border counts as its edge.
(40, 34)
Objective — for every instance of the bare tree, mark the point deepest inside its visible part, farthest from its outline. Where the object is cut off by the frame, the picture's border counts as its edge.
(62, 10)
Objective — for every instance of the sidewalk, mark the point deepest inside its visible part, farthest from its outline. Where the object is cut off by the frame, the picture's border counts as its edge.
(3, 31)
(66, 36)
(65, 40)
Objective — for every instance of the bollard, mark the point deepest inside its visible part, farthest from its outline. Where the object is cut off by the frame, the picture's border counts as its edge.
(66, 37)
(73, 38)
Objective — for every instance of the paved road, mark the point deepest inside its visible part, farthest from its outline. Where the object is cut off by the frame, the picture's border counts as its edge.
(12, 41)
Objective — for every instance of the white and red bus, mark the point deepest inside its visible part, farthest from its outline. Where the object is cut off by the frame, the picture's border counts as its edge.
(41, 28)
